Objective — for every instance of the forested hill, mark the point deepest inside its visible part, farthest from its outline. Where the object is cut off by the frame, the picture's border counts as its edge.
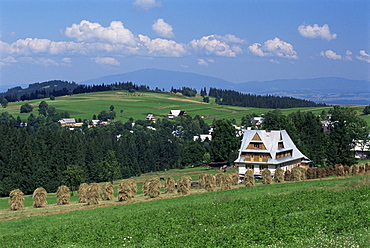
(39, 90)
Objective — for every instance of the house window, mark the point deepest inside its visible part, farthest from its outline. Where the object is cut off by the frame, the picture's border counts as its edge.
(256, 146)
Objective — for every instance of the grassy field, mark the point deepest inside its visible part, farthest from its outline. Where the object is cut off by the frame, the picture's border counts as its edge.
(316, 213)
(138, 105)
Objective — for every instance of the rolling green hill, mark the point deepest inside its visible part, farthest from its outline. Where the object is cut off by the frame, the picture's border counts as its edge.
(138, 105)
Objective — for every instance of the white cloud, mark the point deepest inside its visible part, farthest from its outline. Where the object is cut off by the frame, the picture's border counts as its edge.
(146, 4)
(39, 61)
(216, 45)
(348, 55)
(316, 31)
(7, 61)
(106, 61)
(162, 47)
(67, 60)
(330, 55)
(364, 56)
(274, 48)
(202, 62)
(163, 29)
(93, 32)
(274, 61)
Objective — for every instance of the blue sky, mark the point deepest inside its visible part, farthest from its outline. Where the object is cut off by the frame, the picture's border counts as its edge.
(236, 40)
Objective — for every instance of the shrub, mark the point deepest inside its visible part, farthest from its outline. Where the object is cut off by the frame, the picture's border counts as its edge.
(266, 176)
(183, 185)
(279, 175)
(93, 194)
(169, 185)
(249, 178)
(209, 183)
(63, 195)
(82, 193)
(16, 200)
(107, 191)
(39, 198)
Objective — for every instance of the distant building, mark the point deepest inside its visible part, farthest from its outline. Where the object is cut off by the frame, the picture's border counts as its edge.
(202, 137)
(175, 113)
(67, 122)
(150, 117)
(263, 149)
(257, 122)
(361, 149)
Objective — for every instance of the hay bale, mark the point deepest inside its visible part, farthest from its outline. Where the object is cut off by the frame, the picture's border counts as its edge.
(226, 182)
(279, 175)
(183, 185)
(169, 185)
(209, 183)
(340, 171)
(63, 195)
(16, 200)
(124, 190)
(249, 178)
(146, 187)
(82, 193)
(361, 169)
(266, 176)
(346, 170)
(133, 187)
(298, 174)
(201, 181)
(311, 173)
(93, 194)
(107, 191)
(287, 175)
(39, 198)
(154, 188)
(235, 178)
(219, 177)
(355, 170)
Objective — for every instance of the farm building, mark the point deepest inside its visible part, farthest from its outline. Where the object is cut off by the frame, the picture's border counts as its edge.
(175, 113)
(264, 149)
(67, 122)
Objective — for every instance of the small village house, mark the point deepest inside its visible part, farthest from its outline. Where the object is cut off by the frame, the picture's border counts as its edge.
(264, 149)
(67, 122)
(175, 113)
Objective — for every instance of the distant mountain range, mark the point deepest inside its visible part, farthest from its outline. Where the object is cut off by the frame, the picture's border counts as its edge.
(331, 90)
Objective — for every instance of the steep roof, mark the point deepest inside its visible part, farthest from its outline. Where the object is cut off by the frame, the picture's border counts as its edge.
(270, 141)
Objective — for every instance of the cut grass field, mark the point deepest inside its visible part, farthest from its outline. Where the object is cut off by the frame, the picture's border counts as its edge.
(317, 213)
(138, 105)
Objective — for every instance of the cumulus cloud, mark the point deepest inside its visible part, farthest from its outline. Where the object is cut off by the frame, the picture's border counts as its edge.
(348, 55)
(316, 31)
(67, 60)
(146, 4)
(363, 56)
(330, 55)
(274, 48)
(94, 32)
(106, 61)
(7, 61)
(205, 62)
(163, 29)
(162, 47)
(216, 45)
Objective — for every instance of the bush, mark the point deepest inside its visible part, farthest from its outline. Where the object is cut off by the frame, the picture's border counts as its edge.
(26, 108)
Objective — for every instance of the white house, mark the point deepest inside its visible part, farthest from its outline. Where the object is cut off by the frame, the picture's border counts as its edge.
(263, 149)
(361, 149)
(67, 122)
(175, 113)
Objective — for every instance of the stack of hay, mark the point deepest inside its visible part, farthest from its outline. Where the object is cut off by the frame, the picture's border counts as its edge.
(93, 194)
(226, 181)
(169, 185)
(154, 188)
(63, 195)
(16, 200)
(201, 180)
(279, 175)
(125, 190)
(209, 183)
(235, 178)
(107, 191)
(219, 177)
(82, 193)
(39, 198)
(266, 176)
(183, 185)
(249, 178)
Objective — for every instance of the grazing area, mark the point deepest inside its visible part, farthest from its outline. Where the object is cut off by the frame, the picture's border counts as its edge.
(315, 213)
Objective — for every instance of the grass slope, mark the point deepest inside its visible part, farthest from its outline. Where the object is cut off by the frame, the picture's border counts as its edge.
(318, 213)
(138, 105)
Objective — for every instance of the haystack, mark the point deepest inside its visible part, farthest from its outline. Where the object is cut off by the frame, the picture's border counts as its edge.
(355, 170)
(226, 182)
(107, 191)
(39, 198)
(16, 200)
(63, 195)
(82, 193)
(201, 180)
(279, 175)
(311, 173)
(145, 188)
(287, 175)
(219, 177)
(154, 188)
(235, 178)
(209, 183)
(183, 185)
(124, 191)
(93, 194)
(249, 178)
(169, 185)
(133, 187)
(266, 176)
(340, 171)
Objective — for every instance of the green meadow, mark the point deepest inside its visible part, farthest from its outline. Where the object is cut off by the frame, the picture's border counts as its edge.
(138, 105)
(317, 213)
